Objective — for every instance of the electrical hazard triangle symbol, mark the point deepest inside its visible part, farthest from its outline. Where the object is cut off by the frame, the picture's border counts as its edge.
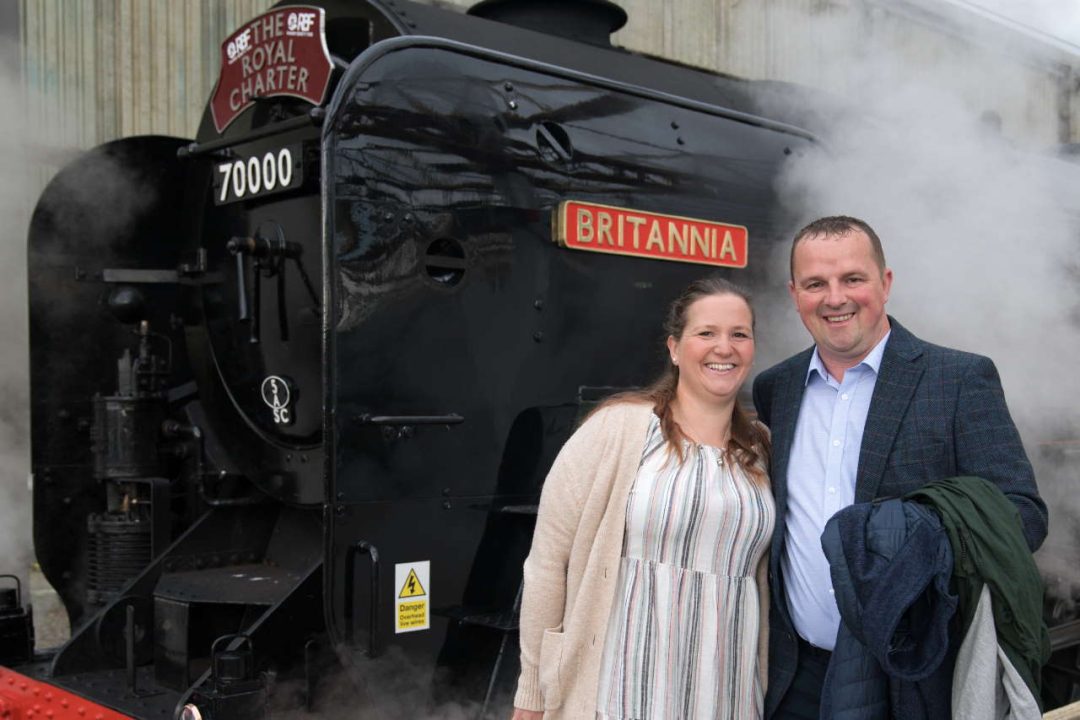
(412, 587)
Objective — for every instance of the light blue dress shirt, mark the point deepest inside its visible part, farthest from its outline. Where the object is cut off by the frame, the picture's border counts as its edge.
(820, 481)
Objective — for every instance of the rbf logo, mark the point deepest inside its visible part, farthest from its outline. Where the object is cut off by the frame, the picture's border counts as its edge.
(239, 45)
(301, 22)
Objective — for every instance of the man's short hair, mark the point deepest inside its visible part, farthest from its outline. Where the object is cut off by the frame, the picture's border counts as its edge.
(838, 225)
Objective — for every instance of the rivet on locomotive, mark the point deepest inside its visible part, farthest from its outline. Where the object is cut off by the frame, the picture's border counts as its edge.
(296, 383)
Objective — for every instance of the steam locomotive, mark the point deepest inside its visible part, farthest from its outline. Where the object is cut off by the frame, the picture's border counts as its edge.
(296, 383)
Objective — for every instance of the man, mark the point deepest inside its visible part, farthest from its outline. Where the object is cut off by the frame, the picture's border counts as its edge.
(869, 412)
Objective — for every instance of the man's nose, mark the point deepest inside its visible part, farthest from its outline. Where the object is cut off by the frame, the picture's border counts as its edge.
(836, 296)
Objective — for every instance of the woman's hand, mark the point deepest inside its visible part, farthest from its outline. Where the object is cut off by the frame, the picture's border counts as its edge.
(520, 714)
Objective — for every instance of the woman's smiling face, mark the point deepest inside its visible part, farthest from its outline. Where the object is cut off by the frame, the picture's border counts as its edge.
(716, 349)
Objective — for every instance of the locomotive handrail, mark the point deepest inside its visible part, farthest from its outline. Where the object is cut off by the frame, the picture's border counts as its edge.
(450, 419)
(313, 117)
(362, 547)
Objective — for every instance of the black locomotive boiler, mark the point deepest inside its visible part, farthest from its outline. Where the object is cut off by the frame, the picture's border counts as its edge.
(296, 383)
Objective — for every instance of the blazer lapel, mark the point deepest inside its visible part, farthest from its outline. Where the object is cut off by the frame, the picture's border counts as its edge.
(898, 377)
(785, 414)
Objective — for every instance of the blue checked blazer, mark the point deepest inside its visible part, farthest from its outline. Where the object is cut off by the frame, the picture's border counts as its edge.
(935, 413)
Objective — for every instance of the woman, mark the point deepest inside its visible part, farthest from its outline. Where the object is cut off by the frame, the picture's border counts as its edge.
(645, 591)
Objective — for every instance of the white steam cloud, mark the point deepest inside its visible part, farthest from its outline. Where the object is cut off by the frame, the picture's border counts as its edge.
(1058, 17)
(15, 204)
(387, 689)
(29, 155)
(983, 237)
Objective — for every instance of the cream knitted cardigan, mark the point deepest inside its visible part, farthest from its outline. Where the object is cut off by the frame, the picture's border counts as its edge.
(573, 565)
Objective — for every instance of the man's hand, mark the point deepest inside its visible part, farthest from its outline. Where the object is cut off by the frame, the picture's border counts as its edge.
(520, 714)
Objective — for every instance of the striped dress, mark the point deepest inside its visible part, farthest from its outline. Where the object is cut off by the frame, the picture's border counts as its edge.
(682, 641)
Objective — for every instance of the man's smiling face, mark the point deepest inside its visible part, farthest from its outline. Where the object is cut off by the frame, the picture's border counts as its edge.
(840, 292)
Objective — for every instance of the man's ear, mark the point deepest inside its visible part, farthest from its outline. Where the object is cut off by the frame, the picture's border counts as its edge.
(792, 294)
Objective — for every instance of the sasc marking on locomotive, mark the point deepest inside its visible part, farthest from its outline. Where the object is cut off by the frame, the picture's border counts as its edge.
(282, 52)
(620, 231)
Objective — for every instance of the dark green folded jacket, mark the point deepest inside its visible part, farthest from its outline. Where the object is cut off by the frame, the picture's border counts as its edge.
(989, 547)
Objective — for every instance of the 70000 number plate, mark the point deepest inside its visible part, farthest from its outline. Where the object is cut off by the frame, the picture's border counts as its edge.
(250, 177)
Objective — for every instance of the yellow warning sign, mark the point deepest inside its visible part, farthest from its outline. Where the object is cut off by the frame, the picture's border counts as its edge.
(413, 601)
(412, 587)
(412, 615)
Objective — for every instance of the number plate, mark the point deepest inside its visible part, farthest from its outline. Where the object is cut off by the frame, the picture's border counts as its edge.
(251, 177)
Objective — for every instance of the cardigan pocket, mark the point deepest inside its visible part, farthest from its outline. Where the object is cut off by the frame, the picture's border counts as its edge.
(551, 645)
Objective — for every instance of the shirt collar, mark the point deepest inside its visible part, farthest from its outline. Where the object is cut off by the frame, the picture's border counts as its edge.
(872, 360)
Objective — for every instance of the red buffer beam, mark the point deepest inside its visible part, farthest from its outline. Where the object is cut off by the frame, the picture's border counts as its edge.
(23, 698)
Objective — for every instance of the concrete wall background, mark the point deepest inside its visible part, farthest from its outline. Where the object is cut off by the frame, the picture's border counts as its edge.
(104, 69)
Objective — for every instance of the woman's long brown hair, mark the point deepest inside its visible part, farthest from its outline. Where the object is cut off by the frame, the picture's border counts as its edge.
(749, 443)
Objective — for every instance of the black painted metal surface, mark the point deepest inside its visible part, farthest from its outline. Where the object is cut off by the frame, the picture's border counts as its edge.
(443, 167)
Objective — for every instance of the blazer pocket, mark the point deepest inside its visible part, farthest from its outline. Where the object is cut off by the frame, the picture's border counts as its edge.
(551, 647)
(932, 454)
